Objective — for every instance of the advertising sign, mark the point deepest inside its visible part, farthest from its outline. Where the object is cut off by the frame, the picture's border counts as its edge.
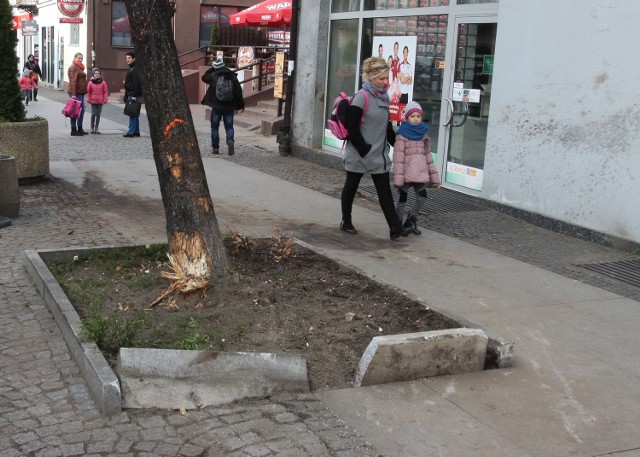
(245, 56)
(71, 20)
(279, 81)
(400, 54)
(17, 20)
(70, 8)
(29, 28)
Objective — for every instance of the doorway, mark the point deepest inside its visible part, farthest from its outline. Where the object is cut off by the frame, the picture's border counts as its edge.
(467, 102)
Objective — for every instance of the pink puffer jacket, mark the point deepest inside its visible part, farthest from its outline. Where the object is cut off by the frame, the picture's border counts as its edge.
(413, 162)
(97, 94)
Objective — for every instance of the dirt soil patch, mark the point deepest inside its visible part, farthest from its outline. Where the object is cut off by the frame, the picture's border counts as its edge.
(281, 298)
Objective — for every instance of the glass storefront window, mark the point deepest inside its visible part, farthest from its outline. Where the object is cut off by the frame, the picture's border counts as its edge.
(210, 15)
(343, 65)
(395, 4)
(120, 31)
(345, 6)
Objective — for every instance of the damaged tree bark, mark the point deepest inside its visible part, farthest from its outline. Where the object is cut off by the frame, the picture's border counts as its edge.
(192, 228)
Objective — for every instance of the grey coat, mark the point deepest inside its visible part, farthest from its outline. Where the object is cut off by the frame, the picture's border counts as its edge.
(374, 132)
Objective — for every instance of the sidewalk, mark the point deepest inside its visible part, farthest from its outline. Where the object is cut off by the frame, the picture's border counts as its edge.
(572, 391)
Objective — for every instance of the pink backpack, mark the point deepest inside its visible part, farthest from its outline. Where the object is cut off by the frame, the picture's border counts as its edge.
(338, 118)
(72, 109)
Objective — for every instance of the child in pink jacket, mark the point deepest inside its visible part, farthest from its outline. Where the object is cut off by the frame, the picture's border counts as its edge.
(27, 85)
(413, 165)
(97, 95)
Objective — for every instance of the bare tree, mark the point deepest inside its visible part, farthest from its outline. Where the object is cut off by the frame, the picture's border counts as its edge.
(195, 241)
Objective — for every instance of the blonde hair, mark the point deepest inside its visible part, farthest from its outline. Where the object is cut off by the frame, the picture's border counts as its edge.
(77, 54)
(373, 66)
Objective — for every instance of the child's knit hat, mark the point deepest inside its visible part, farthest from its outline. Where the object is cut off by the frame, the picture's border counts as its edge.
(96, 69)
(26, 73)
(412, 107)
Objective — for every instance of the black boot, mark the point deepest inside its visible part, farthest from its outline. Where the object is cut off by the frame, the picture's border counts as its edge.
(347, 226)
(399, 231)
(411, 223)
(74, 132)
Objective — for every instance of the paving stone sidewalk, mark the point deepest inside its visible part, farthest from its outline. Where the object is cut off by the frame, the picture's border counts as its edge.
(45, 406)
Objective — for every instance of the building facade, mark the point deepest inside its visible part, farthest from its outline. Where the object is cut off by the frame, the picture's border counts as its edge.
(99, 29)
(526, 101)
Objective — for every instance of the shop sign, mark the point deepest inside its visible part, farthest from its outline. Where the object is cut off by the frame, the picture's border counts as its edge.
(17, 20)
(71, 20)
(487, 64)
(278, 39)
(70, 7)
(29, 28)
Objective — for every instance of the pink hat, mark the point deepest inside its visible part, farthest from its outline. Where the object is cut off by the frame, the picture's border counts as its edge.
(412, 107)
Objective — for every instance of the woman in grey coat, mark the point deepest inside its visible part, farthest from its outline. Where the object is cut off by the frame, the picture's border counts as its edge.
(367, 148)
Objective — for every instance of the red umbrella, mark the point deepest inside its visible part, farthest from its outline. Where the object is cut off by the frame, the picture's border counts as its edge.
(270, 13)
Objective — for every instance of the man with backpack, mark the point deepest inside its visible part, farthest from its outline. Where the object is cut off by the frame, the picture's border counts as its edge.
(224, 96)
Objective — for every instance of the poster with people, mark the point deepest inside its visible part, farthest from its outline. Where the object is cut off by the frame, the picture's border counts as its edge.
(400, 53)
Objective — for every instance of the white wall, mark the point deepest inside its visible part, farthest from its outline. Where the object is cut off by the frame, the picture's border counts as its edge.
(564, 136)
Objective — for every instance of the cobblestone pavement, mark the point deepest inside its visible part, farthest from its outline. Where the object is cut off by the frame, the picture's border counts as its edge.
(45, 408)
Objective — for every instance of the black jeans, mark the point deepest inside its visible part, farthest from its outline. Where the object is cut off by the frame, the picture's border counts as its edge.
(385, 197)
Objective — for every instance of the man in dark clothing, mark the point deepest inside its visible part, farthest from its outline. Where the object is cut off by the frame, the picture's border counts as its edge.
(132, 91)
(224, 97)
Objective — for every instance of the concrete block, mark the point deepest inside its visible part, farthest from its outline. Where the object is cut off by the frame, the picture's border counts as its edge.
(173, 379)
(499, 353)
(412, 356)
(10, 195)
(102, 381)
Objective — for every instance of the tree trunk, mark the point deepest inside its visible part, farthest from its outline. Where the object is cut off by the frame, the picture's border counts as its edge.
(192, 227)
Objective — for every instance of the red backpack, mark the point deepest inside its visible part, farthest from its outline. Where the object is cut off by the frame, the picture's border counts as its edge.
(338, 118)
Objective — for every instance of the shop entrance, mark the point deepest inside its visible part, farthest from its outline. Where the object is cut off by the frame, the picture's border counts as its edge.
(468, 98)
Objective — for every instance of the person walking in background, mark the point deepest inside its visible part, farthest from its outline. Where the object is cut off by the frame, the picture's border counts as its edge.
(224, 96)
(132, 91)
(36, 73)
(77, 90)
(367, 147)
(413, 165)
(97, 95)
(27, 84)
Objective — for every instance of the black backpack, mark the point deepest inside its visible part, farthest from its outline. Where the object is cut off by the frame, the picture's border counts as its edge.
(224, 89)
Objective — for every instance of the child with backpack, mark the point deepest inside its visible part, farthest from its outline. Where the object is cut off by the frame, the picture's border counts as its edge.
(224, 96)
(97, 95)
(413, 165)
(27, 84)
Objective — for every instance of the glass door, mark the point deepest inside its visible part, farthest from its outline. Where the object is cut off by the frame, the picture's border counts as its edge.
(467, 103)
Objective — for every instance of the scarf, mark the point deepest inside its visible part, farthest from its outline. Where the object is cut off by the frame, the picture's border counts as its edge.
(412, 132)
(378, 92)
(96, 80)
(78, 64)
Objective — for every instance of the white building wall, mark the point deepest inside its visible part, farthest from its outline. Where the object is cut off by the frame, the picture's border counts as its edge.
(564, 136)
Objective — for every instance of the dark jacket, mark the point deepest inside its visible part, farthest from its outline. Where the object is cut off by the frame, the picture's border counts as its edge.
(34, 67)
(132, 83)
(210, 99)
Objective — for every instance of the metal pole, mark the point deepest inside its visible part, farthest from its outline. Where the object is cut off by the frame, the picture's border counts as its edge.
(284, 133)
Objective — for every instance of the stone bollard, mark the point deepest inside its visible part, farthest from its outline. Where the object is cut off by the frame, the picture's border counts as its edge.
(9, 191)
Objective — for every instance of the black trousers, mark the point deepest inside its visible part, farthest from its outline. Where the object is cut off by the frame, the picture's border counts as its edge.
(385, 197)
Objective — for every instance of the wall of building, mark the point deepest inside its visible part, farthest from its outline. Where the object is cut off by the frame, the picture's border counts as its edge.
(310, 65)
(563, 136)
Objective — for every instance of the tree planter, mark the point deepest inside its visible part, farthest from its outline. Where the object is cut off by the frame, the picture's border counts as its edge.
(10, 195)
(28, 142)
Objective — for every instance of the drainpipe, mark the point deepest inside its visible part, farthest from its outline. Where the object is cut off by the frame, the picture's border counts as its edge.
(284, 133)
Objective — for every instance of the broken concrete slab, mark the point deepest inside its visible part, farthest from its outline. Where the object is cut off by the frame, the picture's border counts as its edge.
(162, 378)
(412, 356)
